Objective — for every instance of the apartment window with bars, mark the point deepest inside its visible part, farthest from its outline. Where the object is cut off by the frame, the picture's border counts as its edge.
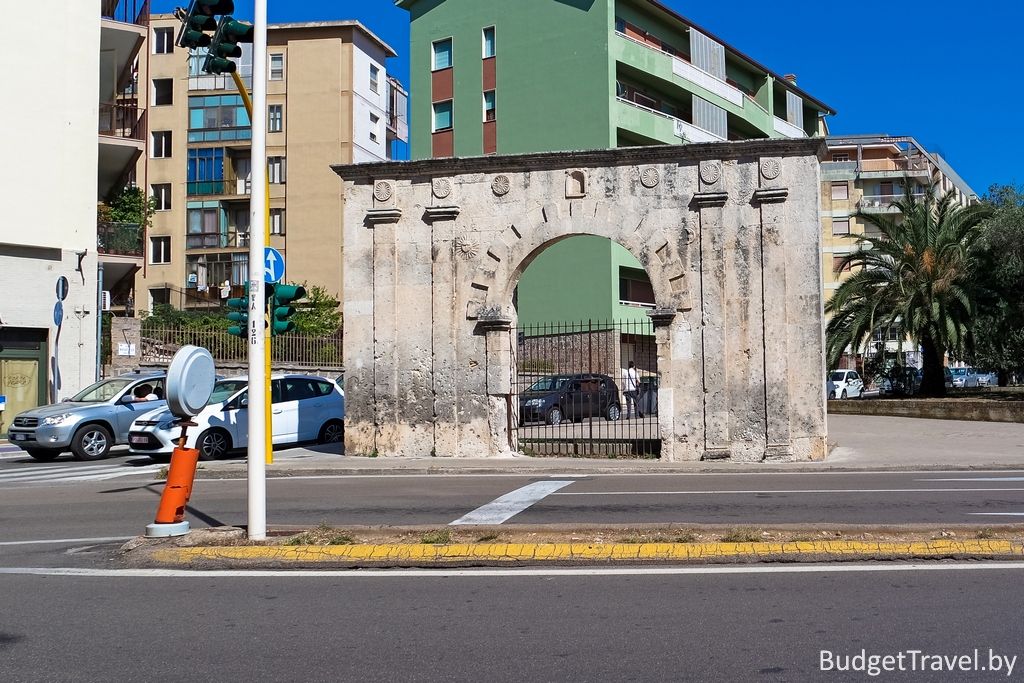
(840, 226)
(275, 118)
(277, 221)
(276, 170)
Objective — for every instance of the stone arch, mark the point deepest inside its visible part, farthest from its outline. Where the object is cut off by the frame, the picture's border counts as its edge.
(658, 240)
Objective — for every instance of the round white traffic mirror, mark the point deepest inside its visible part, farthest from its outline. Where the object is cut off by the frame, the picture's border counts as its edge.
(190, 379)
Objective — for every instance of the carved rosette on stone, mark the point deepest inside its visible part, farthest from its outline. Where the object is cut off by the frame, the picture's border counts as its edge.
(383, 191)
(441, 187)
(771, 168)
(710, 172)
(501, 185)
(650, 177)
(466, 248)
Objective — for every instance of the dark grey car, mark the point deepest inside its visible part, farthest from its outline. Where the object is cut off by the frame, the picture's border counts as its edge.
(559, 398)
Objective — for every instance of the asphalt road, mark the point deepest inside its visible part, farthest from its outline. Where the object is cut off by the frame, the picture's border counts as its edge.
(122, 506)
(507, 626)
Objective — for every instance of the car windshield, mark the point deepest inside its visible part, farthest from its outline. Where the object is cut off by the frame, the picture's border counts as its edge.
(102, 391)
(548, 384)
(959, 372)
(838, 376)
(224, 390)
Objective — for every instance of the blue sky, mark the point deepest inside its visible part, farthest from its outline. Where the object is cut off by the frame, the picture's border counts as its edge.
(948, 73)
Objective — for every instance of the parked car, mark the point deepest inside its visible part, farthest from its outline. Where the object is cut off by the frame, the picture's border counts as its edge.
(844, 384)
(304, 408)
(92, 421)
(988, 379)
(964, 378)
(559, 398)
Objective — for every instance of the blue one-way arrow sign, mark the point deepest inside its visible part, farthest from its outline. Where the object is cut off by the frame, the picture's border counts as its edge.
(273, 265)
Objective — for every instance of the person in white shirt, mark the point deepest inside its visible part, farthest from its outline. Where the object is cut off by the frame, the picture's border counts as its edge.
(630, 389)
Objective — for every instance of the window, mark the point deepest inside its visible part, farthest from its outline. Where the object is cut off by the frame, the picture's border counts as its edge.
(635, 288)
(837, 262)
(163, 91)
(159, 250)
(277, 67)
(374, 78)
(374, 127)
(204, 227)
(489, 106)
(160, 296)
(841, 156)
(161, 194)
(442, 54)
(840, 190)
(275, 168)
(840, 226)
(275, 118)
(161, 144)
(163, 41)
(205, 172)
(443, 116)
(277, 221)
(217, 117)
(488, 42)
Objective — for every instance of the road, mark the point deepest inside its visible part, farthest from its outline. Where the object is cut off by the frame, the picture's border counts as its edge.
(765, 623)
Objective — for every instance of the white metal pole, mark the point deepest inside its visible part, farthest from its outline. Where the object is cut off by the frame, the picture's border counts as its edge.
(257, 219)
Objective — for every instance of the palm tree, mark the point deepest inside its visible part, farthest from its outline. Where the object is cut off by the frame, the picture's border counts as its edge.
(918, 275)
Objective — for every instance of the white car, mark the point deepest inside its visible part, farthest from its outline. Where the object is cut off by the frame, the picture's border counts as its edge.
(304, 408)
(844, 384)
(964, 378)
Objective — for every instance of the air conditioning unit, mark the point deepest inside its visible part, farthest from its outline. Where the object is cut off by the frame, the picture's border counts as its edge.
(105, 300)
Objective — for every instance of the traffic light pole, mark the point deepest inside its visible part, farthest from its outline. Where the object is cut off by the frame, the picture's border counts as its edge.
(258, 376)
(268, 438)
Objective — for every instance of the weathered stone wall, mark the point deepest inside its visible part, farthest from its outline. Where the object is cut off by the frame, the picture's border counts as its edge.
(728, 234)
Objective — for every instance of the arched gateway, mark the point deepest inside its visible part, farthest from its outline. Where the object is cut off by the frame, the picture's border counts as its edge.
(728, 233)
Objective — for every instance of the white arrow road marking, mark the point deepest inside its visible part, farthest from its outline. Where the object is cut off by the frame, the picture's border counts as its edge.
(511, 504)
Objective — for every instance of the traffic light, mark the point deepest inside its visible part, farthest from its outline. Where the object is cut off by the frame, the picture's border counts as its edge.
(281, 309)
(239, 314)
(200, 17)
(224, 45)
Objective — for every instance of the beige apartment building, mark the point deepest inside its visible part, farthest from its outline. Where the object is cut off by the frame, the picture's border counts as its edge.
(867, 174)
(330, 100)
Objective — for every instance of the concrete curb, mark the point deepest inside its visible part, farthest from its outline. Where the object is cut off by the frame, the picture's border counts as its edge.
(505, 553)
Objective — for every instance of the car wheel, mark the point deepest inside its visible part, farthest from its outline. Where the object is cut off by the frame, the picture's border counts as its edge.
(42, 454)
(333, 431)
(91, 442)
(613, 413)
(843, 395)
(554, 416)
(213, 444)
(160, 458)
(831, 395)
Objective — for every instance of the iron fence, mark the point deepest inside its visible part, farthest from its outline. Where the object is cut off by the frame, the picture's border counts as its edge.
(586, 389)
(159, 344)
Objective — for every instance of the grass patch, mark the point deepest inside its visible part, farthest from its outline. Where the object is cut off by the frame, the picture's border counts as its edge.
(437, 537)
(487, 538)
(321, 535)
(741, 536)
(985, 534)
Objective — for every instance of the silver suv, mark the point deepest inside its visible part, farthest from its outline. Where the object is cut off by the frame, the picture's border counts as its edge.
(92, 421)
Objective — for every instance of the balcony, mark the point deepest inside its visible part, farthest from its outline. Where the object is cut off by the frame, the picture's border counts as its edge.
(659, 126)
(882, 203)
(122, 121)
(787, 129)
(122, 140)
(205, 187)
(122, 33)
(119, 239)
(896, 167)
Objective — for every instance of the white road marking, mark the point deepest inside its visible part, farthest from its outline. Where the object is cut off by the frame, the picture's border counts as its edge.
(978, 479)
(62, 541)
(34, 472)
(750, 492)
(997, 514)
(511, 504)
(513, 572)
(72, 474)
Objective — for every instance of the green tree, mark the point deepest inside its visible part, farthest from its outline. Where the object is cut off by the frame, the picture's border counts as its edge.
(999, 326)
(317, 315)
(919, 275)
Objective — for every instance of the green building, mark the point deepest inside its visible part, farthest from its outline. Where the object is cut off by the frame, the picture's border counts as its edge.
(501, 77)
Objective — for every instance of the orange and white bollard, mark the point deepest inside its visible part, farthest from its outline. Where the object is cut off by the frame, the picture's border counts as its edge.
(170, 515)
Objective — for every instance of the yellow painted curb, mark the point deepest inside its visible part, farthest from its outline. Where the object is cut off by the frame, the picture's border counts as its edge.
(562, 552)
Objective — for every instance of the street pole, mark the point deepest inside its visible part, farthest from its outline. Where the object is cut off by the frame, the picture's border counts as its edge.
(258, 377)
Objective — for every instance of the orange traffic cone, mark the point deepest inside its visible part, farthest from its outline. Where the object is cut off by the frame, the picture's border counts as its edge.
(170, 515)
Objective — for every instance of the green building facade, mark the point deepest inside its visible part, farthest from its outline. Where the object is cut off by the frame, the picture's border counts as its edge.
(501, 77)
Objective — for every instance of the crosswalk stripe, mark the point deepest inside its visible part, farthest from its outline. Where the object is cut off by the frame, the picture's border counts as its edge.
(111, 475)
(55, 474)
(35, 472)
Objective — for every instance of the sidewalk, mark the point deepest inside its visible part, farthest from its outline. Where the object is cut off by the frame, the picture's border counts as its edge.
(858, 443)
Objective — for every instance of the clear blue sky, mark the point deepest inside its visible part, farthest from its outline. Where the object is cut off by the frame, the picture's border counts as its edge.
(947, 73)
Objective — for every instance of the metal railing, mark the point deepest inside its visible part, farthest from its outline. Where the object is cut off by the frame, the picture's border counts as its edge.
(201, 187)
(159, 344)
(122, 121)
(899, 164)
(119, 239)
(127, 11)
(881, 201)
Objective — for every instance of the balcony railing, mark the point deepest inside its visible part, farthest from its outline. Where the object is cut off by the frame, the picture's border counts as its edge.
(881, 202)
(119, 239)
(898, 164)
(786, 128)
(682, 129)
(205, 187)
(122, 121)
(127, 11)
